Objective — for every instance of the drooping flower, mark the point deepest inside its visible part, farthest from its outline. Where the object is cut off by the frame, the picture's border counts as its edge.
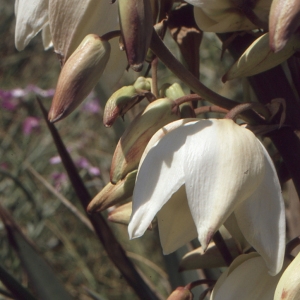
(195, 176)
(230, 15)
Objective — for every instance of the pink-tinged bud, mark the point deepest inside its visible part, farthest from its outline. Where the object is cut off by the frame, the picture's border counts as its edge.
(181, 293)
(284, 21)
(79, 76)
(136, 26)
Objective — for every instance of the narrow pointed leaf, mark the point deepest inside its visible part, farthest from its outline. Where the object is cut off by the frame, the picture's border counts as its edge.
(41, 275)
(103, 231)
(17, 290)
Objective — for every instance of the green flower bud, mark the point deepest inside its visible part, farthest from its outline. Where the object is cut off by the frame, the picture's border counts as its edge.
(136, 137)
(113, 194)
(119, 103)
(136, 27)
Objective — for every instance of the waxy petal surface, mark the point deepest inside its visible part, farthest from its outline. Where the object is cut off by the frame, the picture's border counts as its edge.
(249, 280)
(288, 287)
(160, 176)
(261, 219)
(223, 165)
(31, 17)
(175, 223)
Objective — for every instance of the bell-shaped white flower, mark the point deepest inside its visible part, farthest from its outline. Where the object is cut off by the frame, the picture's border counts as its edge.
(196, 175)
(66, 23)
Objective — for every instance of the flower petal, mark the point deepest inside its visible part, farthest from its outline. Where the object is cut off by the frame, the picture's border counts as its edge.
(31, 17)
(212, 257)
(288, 287)
(175, 223)
(46, 36)
(213, 149)
(71, 20)
(232, 226)
(261, 218)
(249, 280)
(160, 176)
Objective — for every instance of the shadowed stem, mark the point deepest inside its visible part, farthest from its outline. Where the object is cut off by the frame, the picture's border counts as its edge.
(188, 98)
(158, 47)
(212, 108)
(222, 247)
(233, 113)
(193, 284)
(103, 231)
(154, 76)
(291, 245)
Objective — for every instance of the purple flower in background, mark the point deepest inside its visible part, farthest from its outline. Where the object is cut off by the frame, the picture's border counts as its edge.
(10, 99)
(55, 160)
(4, 165)
(59, 179)
(92, 106)
(44, 93)
(83, 163)
(31, 124)
(94, 171)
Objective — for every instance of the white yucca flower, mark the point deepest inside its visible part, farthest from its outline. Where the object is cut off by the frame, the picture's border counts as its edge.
(195, 174)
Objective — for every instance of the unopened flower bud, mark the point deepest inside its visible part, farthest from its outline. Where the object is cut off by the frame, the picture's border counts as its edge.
(136, 26)
(284, 21)
(79, 76)
(135, 138)
(143, 83)
(119, 103)
(259, 57)
(121, 214)
(113, 194)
